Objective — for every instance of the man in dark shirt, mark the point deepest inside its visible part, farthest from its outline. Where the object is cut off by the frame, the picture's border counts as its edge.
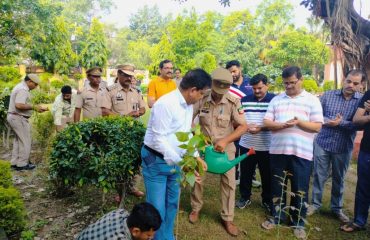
(362, 200)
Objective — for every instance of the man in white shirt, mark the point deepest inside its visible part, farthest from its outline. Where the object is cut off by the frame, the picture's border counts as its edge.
(160, 154)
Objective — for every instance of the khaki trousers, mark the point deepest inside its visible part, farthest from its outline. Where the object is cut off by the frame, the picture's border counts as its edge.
(22, 140)
(227, 187)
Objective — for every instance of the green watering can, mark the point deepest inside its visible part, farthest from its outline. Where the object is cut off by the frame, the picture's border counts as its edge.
(219, 163)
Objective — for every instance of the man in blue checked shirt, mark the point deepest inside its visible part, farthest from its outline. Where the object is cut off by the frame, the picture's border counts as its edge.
(141, 224)
(334, 144)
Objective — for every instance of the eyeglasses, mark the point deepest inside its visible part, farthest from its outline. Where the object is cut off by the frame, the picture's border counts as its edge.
(290, 83)
(95, 76)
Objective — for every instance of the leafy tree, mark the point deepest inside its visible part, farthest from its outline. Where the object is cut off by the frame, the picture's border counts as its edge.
(95, 52)
(206, 60)
(81, 12)
(138, 52)
(117, 43)
(160, 51)
(147, 24)
(20, 22)
(53, 48)
(298, 48)
(273, 17)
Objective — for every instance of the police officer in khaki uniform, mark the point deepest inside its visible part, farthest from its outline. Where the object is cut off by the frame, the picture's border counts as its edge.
(19, 112)
(221, 118)
(122, 99)
(91, 97)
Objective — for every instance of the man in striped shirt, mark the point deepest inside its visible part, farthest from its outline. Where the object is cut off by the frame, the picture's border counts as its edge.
(293, 117)
(257, 137)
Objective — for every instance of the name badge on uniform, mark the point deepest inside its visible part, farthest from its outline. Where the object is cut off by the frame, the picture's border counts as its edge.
(119, 97)
(205, 108)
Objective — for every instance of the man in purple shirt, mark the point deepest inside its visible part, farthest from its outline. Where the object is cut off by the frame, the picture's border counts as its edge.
(334, 144)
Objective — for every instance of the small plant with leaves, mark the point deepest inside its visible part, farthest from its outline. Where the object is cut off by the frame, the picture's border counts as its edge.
(286, 209)
(193, 142)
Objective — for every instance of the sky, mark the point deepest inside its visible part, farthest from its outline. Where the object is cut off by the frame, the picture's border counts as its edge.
(120, 14)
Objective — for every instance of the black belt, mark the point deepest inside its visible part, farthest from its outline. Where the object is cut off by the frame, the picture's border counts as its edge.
(14, 113)
(158, 154)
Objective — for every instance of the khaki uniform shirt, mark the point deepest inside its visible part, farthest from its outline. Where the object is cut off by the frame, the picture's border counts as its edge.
(123, 102)
(90, 101)
(217, 120)
(63, 110)
(20, 94)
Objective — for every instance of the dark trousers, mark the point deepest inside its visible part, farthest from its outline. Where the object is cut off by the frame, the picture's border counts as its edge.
(297, 170)
(247, 170)
(362, 200)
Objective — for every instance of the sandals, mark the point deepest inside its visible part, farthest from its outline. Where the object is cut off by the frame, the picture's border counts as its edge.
(268, 224)
(351, 227)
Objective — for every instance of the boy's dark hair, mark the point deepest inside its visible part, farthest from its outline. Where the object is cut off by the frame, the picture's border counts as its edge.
(177, 69)
(145, 217)
(290, 71)
(232, 63)
(66, 89)
(258, 78)
(197, 78)
(161, 64)
(356, 72)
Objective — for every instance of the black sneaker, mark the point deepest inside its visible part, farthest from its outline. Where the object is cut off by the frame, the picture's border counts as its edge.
(29, 166)
(241, 203)
(266, 206)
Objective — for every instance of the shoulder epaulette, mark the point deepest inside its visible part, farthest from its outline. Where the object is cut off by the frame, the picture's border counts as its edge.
(111, 87)
(232, 98)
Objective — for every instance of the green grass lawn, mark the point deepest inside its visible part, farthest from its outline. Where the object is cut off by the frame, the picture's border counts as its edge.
(321, 226)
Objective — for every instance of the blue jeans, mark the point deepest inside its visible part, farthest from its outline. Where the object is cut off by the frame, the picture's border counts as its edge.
(162, 191)
(339, 163)
(362, 200)
(299, 170)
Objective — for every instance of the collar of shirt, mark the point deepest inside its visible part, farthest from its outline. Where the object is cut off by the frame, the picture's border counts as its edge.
(121, 88)
(181, 98)
(223, 99)
(302, 94)
(339, 92)
(89, 88)
(25, 86)
(163, 80)
(243, 84)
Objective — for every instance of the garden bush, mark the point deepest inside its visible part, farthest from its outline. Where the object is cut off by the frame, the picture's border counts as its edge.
(42, 127)
(328, 85)
(12, 211)
(5, 175)
(8, 74)
(310, 85)
(41, 97)
(4, 105)
(104, 152)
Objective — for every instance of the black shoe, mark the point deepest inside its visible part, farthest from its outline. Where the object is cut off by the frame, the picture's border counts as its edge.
(29, 166)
